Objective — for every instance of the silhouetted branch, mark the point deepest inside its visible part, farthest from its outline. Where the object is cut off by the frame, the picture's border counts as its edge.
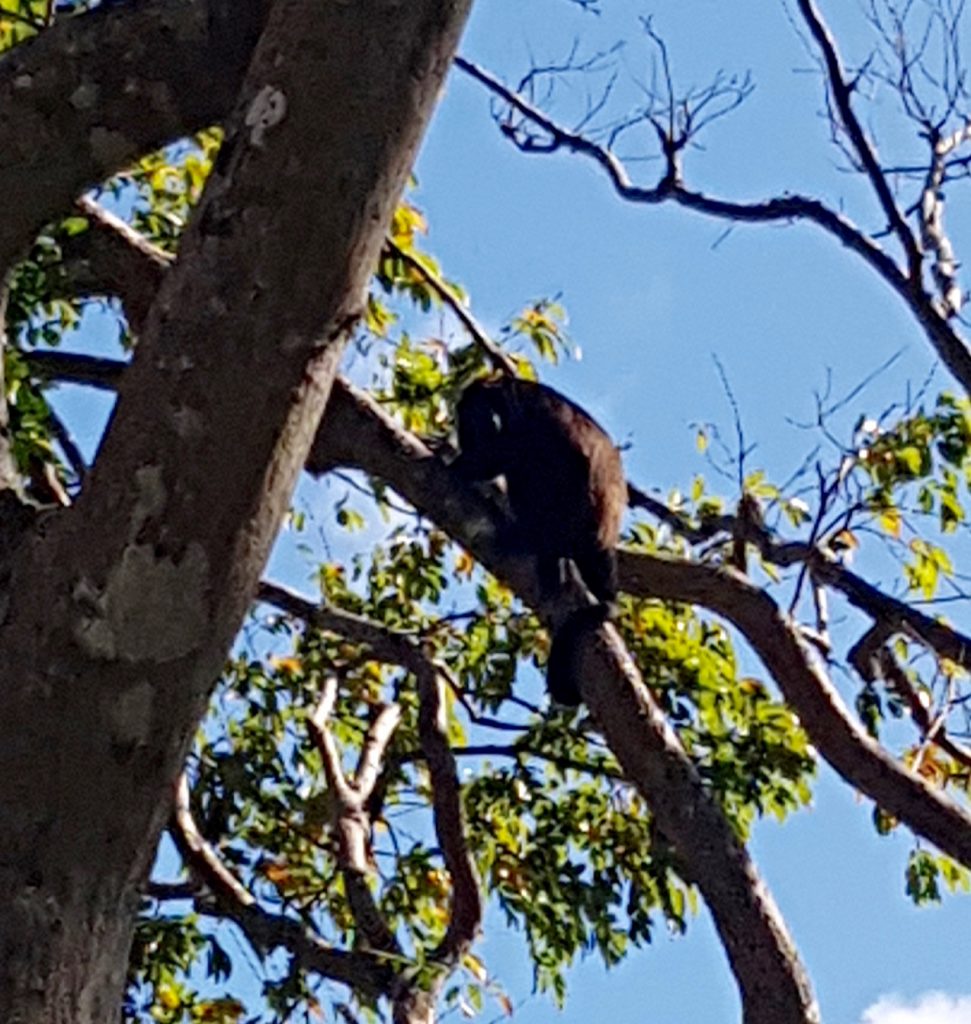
(496, 356)
(841, 91)
(809, 691)
(548, 136)
(872, 659)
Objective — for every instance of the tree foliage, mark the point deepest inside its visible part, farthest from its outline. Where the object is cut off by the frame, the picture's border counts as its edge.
(316, 828)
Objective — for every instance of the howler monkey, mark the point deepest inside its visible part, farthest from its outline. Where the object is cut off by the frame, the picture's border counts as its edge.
(566, 491)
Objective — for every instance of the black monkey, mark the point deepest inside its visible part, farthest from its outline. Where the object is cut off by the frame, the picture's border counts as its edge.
(566, 491)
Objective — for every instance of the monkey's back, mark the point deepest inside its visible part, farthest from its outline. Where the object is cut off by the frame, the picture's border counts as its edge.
(564, 475)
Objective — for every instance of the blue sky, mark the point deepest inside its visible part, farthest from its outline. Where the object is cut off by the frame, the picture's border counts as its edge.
(651, 298)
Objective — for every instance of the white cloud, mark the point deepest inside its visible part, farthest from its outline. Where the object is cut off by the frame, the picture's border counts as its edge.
(928, 1008)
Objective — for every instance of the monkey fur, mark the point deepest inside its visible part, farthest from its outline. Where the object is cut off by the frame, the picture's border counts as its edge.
(566, 492)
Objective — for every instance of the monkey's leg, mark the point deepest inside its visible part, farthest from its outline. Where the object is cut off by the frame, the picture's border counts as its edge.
(598, 568)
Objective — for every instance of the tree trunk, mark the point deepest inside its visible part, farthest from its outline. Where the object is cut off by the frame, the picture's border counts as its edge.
(117, 614)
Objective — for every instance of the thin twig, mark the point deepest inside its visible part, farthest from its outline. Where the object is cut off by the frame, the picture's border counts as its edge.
(499, 359)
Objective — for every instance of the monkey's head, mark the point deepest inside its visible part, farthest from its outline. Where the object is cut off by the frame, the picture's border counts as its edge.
(482, 416)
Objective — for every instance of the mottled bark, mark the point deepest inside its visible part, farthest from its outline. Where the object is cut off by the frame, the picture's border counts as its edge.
(121, 609)
(90, 95)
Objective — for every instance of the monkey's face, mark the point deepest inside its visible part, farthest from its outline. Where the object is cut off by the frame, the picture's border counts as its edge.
(481, 432)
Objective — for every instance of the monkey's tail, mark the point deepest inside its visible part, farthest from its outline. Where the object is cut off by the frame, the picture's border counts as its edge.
(562, 668)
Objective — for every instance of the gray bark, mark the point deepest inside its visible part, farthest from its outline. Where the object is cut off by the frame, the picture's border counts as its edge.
(119, 612)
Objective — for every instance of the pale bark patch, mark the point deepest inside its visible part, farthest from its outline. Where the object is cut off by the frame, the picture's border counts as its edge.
(129, 715)
(85, 96)
(150, 609)
(268, 109)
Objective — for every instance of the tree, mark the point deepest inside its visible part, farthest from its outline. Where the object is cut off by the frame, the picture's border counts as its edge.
(123, 602)
(151, 572)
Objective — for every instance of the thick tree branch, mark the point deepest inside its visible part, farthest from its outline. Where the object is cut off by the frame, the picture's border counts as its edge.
(94, 92)
(198, 854)
(113, 259)
(74, 368)
(352, 415)
(465, 918)
(773, 983)
(122, 608)
(358, 433)
(825, 569)
(806, 687)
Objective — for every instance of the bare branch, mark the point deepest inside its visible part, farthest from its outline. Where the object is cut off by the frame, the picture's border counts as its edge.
(386, 645)
(933, 233)
(352, 822)
(465, 919)
(950, 346)
(172, 890)
(466, 910)
(842, 91)
(375, 745)
(199, 855)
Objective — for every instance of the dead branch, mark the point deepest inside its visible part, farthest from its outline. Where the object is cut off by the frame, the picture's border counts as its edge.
(931, 215)
(949, 344)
